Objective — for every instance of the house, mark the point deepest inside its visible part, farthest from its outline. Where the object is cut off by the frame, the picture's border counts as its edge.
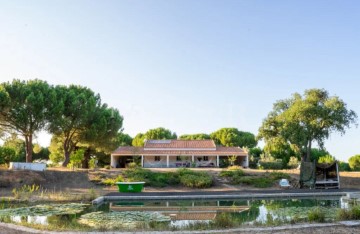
(178, 153)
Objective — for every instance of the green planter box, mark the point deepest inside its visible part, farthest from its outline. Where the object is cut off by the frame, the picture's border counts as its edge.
(130, 187)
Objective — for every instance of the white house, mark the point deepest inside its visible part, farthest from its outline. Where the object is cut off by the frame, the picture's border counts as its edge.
(178, 153)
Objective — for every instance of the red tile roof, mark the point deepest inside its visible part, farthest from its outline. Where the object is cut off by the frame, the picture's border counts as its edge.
(179, 144)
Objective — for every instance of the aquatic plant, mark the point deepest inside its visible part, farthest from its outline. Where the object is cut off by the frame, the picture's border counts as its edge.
(348, 214)
(45, 210)
(316, 215)
(126, 219)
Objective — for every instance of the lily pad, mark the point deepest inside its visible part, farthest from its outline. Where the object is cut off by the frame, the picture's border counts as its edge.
(45, 210)
(126, 219)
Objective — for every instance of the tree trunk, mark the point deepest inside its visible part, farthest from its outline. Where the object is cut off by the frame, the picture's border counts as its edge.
(28, 148)
(67, 158)
(85, 162)
(67, 152)
(308, 153)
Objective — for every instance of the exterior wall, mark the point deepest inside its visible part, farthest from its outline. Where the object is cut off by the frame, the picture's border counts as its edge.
(27, 166)
(186, 161)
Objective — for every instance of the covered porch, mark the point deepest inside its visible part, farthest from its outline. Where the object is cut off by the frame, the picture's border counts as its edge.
(174, 161)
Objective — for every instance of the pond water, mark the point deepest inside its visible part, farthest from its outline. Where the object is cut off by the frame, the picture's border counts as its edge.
(169, 215)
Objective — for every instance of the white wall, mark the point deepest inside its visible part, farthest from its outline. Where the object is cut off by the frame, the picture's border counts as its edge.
(27, 166)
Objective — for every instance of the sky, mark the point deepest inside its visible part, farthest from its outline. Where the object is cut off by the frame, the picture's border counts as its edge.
(189, 66)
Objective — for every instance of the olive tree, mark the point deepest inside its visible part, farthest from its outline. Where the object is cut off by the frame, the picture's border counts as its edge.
(302, 120)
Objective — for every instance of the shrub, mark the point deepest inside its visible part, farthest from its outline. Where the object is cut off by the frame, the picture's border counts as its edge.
(268, 162)
(274, 165)
(326, 159)
(354, 162)
(196, 181)
(293, 162)
(7, 155)
(109, 181)
(232, 173)
(316, 215)
(132, 165)
(224, 220)
(275, 175)
(351, 214)
(233, 168)
(343, 166)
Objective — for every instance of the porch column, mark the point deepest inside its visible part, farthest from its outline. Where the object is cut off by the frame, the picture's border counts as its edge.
(192, 158)
(217, 161)
(112, 164)
(167, 160)
(142, 160)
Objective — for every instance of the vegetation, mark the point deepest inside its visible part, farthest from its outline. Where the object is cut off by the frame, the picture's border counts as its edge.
(316, 215)
(239, 177)
(354, 162)
(328, 159)
(233, 137)
(269, 162)
(343, 166)
(301, 120)
(155, 134)
(293, 162)
(349, 214)
(25, 108)
(182, 176)
(199, 136)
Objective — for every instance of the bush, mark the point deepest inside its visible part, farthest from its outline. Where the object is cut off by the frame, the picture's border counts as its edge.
(109, 181)
(343, 166)
(7, 155)
(233, 168)
(351, 214)
(275, 175)
(316, 215)
(275, 165)
(293, 163)
(268, 162)
(132, 165)
(196, 181)
(232, 173)
(354, 162)
(328, 159)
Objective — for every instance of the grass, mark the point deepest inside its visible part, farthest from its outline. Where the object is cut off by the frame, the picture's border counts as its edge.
(316, 215)
(238, 176)
(351, 214)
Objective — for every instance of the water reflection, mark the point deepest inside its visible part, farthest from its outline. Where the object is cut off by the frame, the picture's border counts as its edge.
(191, 212)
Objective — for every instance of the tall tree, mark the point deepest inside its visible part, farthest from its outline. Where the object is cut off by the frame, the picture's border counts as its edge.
(153, 134)
(24, 108)
(102, 133)
(199, 136)
(124, 139)
(234, 137)
(77, 106)
(302, 120)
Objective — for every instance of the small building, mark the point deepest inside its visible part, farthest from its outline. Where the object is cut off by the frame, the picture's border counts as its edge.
(178, 153)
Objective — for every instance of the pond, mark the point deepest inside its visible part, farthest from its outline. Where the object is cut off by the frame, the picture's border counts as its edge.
(170, 215)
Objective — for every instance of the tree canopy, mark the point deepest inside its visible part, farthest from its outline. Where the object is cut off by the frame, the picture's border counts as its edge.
(24, 108)
(234, 137)
(302, 120)
(199, 136)
(153, 134)
(81, 119)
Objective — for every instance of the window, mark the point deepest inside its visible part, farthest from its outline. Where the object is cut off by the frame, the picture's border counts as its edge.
(157, 158)
(206, 158)
(178, 158)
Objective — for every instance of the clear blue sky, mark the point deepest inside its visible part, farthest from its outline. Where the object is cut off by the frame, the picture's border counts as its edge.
(190, 66)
